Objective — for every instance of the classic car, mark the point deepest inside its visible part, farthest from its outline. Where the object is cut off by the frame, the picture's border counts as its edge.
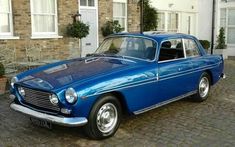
(128, 74)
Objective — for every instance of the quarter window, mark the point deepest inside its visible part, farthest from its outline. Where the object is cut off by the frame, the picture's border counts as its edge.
(171, 50)
(44, 17)
(5, 18)
(191, 48)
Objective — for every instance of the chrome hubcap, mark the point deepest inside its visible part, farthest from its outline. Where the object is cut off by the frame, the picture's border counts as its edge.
(204, 87)
(107, 118)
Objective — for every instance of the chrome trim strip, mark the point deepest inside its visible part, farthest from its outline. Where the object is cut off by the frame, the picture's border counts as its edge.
(164, 103)
(64, 121)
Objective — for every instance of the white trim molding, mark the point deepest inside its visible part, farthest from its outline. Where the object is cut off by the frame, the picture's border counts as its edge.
(41, 35)
(8, 35)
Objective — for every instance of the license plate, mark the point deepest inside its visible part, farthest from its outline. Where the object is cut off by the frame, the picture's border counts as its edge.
(41, 123)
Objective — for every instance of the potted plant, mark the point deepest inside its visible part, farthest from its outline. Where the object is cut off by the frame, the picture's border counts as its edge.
(220, 44)
(79, 30)
(205, 44)
(111, 27)
(3, 79)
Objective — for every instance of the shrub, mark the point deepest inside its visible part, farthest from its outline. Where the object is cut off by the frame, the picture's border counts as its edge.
(205, 44)
(78, 29)
(221, 39)
(111, 27)
(2, 70)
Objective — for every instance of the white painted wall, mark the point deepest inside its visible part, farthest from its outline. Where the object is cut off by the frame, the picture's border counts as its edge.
(184, 8)
(205, 19)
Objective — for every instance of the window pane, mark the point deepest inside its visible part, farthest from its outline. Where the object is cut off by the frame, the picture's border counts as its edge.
(44, 23)
(4, 6)
(83, 2)
(171, 49)
(4, 23)
(121, 21)
(191, 48)
(119, 9)
(172, 22)
(222, 17)
(161, 21)
(91, 2)
(231, 35)
(44, 6)
(231, 17)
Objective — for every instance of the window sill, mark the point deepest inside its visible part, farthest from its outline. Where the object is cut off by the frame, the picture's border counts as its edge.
(9, 37)
(46, 37)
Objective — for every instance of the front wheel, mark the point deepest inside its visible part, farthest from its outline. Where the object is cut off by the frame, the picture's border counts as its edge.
(104, 118)
(203, 88)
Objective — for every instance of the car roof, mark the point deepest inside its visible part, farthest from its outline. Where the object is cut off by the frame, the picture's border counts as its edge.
(158, 36)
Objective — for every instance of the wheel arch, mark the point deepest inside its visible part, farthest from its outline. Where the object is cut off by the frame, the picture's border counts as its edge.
(211, 76)
(121, 99)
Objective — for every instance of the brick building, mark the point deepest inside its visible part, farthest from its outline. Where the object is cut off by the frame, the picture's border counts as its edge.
(33, 24)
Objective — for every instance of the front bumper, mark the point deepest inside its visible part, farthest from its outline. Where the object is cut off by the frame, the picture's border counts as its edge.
(60, 120)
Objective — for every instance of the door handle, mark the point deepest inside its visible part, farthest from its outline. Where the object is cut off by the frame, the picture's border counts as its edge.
(88, 44)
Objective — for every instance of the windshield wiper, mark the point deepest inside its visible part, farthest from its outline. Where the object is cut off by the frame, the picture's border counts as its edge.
(95, 55)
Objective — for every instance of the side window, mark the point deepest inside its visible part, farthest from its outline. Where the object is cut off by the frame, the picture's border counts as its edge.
(191, 48)
(171, 49)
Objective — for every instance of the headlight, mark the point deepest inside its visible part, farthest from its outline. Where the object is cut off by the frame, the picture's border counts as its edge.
(54, 99)
(21, 91)
(71, 95)
(13, 81)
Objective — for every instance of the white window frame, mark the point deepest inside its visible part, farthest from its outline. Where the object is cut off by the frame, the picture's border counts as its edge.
(226, 23)
(164, 23)
(10, 34)
(125, 17)
(88, 7)
(39, 35)
(177, 21)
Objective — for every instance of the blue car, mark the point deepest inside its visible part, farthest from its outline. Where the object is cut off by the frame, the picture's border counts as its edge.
(128, 73)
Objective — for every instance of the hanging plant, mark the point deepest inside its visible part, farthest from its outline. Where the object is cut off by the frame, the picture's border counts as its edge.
(78, 29)
(111, 27)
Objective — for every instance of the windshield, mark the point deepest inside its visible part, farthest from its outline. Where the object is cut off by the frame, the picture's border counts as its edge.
(135, 47)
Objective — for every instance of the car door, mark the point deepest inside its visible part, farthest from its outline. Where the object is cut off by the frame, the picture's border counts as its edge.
(198, 63)
(174, 70)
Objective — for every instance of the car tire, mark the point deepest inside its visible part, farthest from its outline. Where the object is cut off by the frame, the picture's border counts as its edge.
(203, 88)
(104, 118)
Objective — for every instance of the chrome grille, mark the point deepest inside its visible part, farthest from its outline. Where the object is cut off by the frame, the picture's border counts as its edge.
(39, 99)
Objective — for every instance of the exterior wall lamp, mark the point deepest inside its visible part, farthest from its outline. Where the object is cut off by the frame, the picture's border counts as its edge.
(76, 17)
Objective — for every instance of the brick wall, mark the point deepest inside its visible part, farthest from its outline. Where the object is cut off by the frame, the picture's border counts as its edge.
(64, 47)
(51, 48)
(106, 14)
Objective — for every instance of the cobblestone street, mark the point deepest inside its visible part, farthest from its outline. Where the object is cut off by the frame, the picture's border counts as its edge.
(183, 123)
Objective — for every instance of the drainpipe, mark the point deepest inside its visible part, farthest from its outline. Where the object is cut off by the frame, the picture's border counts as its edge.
(141, 16)
(213, 26)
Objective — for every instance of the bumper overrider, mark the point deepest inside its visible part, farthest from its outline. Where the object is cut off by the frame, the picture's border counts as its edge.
(60, 120)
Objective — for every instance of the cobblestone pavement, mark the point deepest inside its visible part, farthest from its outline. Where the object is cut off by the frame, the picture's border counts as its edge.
(183, 123)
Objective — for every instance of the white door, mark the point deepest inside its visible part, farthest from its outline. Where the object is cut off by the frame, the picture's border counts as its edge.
(90, 17)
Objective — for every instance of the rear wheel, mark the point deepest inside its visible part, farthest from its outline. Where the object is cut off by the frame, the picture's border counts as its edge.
(104, 118)
(203, 88)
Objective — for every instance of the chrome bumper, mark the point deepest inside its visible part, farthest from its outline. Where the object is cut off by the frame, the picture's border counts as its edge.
(223, 76)
(64, 121)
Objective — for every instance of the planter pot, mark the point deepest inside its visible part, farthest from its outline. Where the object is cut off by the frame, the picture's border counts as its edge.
(3, 81)
(223, 52)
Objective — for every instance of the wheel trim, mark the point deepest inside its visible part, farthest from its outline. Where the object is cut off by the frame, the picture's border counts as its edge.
(107, 117)
(204, 86)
